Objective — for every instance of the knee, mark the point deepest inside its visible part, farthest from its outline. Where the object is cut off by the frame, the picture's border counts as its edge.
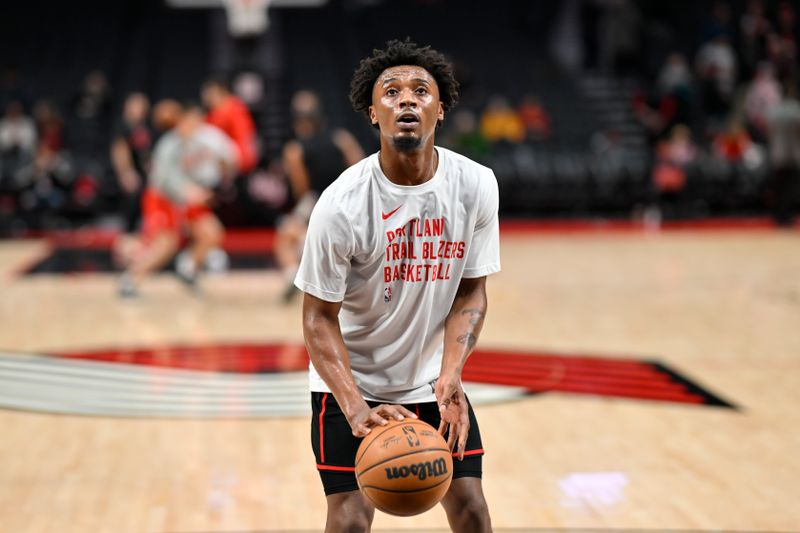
(474, 512)
(468, 512)
(350, 515)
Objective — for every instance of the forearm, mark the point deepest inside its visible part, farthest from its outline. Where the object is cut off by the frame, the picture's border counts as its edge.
(331, 360)
(463, 325)
(121, 158)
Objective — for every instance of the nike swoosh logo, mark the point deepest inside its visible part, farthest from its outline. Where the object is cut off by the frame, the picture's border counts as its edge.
(390, 213)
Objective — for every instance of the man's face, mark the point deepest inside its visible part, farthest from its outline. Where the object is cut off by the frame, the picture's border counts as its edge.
(211, 95)
(406, 106)
(191, 119)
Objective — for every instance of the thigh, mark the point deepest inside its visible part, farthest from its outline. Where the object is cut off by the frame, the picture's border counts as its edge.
(334, 444)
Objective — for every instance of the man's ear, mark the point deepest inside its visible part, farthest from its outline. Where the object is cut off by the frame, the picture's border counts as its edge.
(440, 115)
(373, 116)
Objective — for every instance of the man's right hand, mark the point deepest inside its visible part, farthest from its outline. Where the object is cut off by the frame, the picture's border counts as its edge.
(367, 418)
(130, 181)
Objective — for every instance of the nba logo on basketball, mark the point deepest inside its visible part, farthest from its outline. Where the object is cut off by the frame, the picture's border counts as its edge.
(387, 294)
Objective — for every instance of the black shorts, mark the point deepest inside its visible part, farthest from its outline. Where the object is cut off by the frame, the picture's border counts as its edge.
(335, 446)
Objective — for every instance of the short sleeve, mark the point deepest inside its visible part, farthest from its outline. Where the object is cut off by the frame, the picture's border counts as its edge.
(327, 253)
(483, 256)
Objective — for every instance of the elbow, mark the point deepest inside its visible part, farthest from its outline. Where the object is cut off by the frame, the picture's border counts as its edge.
(314, 324)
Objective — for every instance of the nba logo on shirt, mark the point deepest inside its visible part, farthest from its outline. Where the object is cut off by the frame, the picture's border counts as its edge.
(387, 294)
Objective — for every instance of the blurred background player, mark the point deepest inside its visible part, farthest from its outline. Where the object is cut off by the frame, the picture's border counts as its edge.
(784, 146)
(130, 156)
(228, 113)
(316, 157)
(187, 163)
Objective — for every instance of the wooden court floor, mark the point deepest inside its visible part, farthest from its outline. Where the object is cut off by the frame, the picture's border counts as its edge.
(720, 307)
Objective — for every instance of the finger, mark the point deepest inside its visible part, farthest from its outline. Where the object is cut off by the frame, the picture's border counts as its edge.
(398, 412)
(462, 441)
(377, 420)
(388, 412)
(361, 431)
(451, 436)
(442, 427)
(385, 411)
(406, 412)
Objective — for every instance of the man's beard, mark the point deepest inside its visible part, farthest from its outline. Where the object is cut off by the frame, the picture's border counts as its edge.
(406, 144)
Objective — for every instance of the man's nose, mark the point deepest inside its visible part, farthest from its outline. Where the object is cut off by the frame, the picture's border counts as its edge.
(408, 99)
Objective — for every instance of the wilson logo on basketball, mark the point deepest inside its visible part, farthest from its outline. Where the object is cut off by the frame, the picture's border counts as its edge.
(422, 471)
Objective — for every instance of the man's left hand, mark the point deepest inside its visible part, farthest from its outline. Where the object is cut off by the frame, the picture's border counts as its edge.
(453, 411)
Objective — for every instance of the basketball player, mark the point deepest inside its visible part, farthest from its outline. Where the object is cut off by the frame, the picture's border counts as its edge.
(187, 163)
(228, 113)
(130, 156)
(394, 273)
(312, 160)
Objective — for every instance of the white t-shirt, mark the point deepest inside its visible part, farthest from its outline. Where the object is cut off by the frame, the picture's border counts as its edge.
(394, 256)
(198, 159)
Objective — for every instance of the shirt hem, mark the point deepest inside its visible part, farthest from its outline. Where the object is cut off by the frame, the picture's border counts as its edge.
(322, 294)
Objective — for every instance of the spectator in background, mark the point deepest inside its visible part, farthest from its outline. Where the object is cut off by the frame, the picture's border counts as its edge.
(754, 27)
(734, 144)
(313, 160)
(187, 163)
(49, 124)
(762, 95)
(130, 155)
(227, 112)
(716, 70)
(782, 44)
(535, 118)
(674, 76)
(17, 133)
(91, 113)
(784, 151)
(465, 137)
(500, 122)
(675, 91)
(674, 157)
(45, 186)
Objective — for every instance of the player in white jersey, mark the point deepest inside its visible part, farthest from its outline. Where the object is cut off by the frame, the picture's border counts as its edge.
(394, 273)
(188, 162)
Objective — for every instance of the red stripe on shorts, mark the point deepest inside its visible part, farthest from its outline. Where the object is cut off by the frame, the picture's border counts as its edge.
(322, 429)
(337, 468)
(470, 452)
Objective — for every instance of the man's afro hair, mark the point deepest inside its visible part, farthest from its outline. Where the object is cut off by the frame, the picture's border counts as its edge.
(402, 53)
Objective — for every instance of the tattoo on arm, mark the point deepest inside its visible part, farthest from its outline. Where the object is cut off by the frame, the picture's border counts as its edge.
(475, 315)
(469, 339)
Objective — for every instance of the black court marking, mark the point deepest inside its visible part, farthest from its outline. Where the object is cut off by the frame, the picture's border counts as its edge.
(709, 398)
(74, 260)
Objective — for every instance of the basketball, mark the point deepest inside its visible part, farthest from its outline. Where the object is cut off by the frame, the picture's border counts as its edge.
(404, 468)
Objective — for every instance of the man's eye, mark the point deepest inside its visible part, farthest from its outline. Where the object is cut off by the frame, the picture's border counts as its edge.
(422, 90)
(391, 92)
